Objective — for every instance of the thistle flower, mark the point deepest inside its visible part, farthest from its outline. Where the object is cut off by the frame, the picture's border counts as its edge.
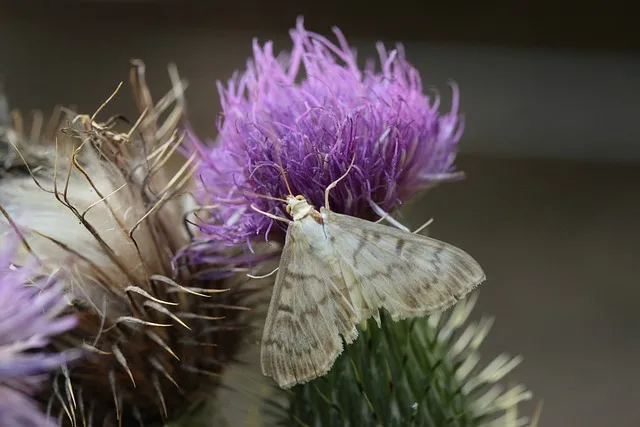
(312, 113)
(110, 214)
(424, 371)
(29, 318)
(297, 123)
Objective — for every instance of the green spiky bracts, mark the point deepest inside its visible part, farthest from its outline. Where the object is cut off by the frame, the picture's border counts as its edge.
(419, 372)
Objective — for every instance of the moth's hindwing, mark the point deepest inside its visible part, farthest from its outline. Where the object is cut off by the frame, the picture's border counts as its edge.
(405, 273)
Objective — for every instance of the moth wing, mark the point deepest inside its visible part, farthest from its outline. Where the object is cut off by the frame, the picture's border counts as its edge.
(306, 316)
(405, 273)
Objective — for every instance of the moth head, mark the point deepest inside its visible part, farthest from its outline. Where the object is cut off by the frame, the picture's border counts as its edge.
(298, 207)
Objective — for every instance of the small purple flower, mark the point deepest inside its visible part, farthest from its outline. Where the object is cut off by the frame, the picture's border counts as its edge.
(312, 114)
(29, 316)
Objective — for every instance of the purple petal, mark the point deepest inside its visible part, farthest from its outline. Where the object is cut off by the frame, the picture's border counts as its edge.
(29, 317)
(310, 114)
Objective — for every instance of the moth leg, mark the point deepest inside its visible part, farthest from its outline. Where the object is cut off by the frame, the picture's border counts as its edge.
(334, 183)
(388, 217)
(385, 215)
(251, 276)
(272, 216)
(423, 226)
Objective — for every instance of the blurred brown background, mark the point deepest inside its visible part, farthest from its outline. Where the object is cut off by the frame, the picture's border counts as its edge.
(551, 147)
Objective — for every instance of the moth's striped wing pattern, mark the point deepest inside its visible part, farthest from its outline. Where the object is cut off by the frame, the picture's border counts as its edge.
(339, 271)
(307, 315)
(407, 274)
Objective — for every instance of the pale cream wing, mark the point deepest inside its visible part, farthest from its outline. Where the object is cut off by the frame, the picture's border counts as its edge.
(307, 315)
(407, 274)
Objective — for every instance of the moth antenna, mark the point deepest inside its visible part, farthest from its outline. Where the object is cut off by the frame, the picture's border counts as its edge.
(335, 183)
(264, 196)
(286, 181)
(284, 176)
(272, 216)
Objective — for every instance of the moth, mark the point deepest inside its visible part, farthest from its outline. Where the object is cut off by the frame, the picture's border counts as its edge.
(336, 271)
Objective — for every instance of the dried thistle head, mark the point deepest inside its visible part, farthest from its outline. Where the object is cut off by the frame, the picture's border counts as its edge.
(108, 214)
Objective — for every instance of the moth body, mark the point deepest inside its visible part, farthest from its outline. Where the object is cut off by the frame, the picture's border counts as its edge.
(299, 208)
(312, 231)
(337, 271)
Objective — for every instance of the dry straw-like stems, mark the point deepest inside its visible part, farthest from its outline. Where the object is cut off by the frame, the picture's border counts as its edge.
(103, 204)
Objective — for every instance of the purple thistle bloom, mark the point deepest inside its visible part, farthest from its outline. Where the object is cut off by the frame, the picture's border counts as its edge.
(313, 113)
(28, 317)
